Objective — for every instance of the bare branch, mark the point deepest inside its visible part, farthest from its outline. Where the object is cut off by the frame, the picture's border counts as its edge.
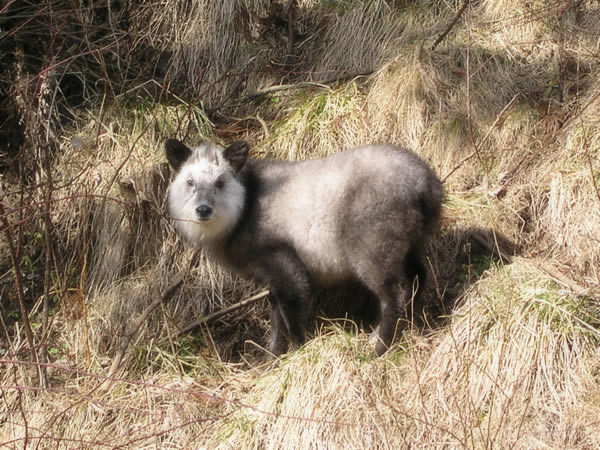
(16, 263)
(442, 36)
(222, 312)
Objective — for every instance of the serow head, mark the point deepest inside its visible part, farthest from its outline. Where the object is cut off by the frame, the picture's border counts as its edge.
(206, 196)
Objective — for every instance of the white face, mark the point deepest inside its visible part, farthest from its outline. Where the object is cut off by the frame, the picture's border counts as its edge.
(205, 198)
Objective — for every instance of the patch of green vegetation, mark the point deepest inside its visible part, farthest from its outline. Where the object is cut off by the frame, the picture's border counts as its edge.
(285, 381)
(398, 353)
(27, 265)
(311, 115)
(521, 289)
(551, 88)
(478, 264)
(274, 99)
(238, 424)
(183, 355)
(315, 111)
(564, 313)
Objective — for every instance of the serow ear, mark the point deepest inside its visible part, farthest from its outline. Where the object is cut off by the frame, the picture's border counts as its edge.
(237, 154)
(177, 153)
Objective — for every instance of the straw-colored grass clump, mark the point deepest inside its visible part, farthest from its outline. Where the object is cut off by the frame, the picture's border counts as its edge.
(505, 109)
(516, 356)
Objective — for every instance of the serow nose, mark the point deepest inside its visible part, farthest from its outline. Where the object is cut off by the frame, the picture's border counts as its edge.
(204, 212)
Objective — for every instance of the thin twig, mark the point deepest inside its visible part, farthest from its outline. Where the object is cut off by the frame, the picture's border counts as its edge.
(222, 312)
(306, 84)
(45, 157)
(456, 17)
(285, 87)
(15, 260)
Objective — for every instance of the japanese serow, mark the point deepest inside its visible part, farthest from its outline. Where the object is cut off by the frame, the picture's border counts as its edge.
(360, 215)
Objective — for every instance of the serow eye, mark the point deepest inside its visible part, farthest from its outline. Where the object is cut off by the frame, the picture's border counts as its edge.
(219, 184)
(190, 182)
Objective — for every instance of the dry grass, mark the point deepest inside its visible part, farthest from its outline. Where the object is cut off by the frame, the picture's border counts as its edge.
(509, 370)
(506, 111)
(514, 367)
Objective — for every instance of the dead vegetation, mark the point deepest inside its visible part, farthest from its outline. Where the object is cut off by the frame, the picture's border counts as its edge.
(505, 108)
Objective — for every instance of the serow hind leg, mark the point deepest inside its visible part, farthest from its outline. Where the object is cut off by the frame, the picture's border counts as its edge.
(287, 322)
(417, 275)
(293, 316)
(393, 294)
(279, 342)
(388, 326)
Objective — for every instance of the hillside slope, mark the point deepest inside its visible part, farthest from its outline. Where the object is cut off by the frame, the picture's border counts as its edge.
(103, 340)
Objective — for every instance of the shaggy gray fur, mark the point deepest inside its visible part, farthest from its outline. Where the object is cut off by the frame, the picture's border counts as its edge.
(360, 215)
